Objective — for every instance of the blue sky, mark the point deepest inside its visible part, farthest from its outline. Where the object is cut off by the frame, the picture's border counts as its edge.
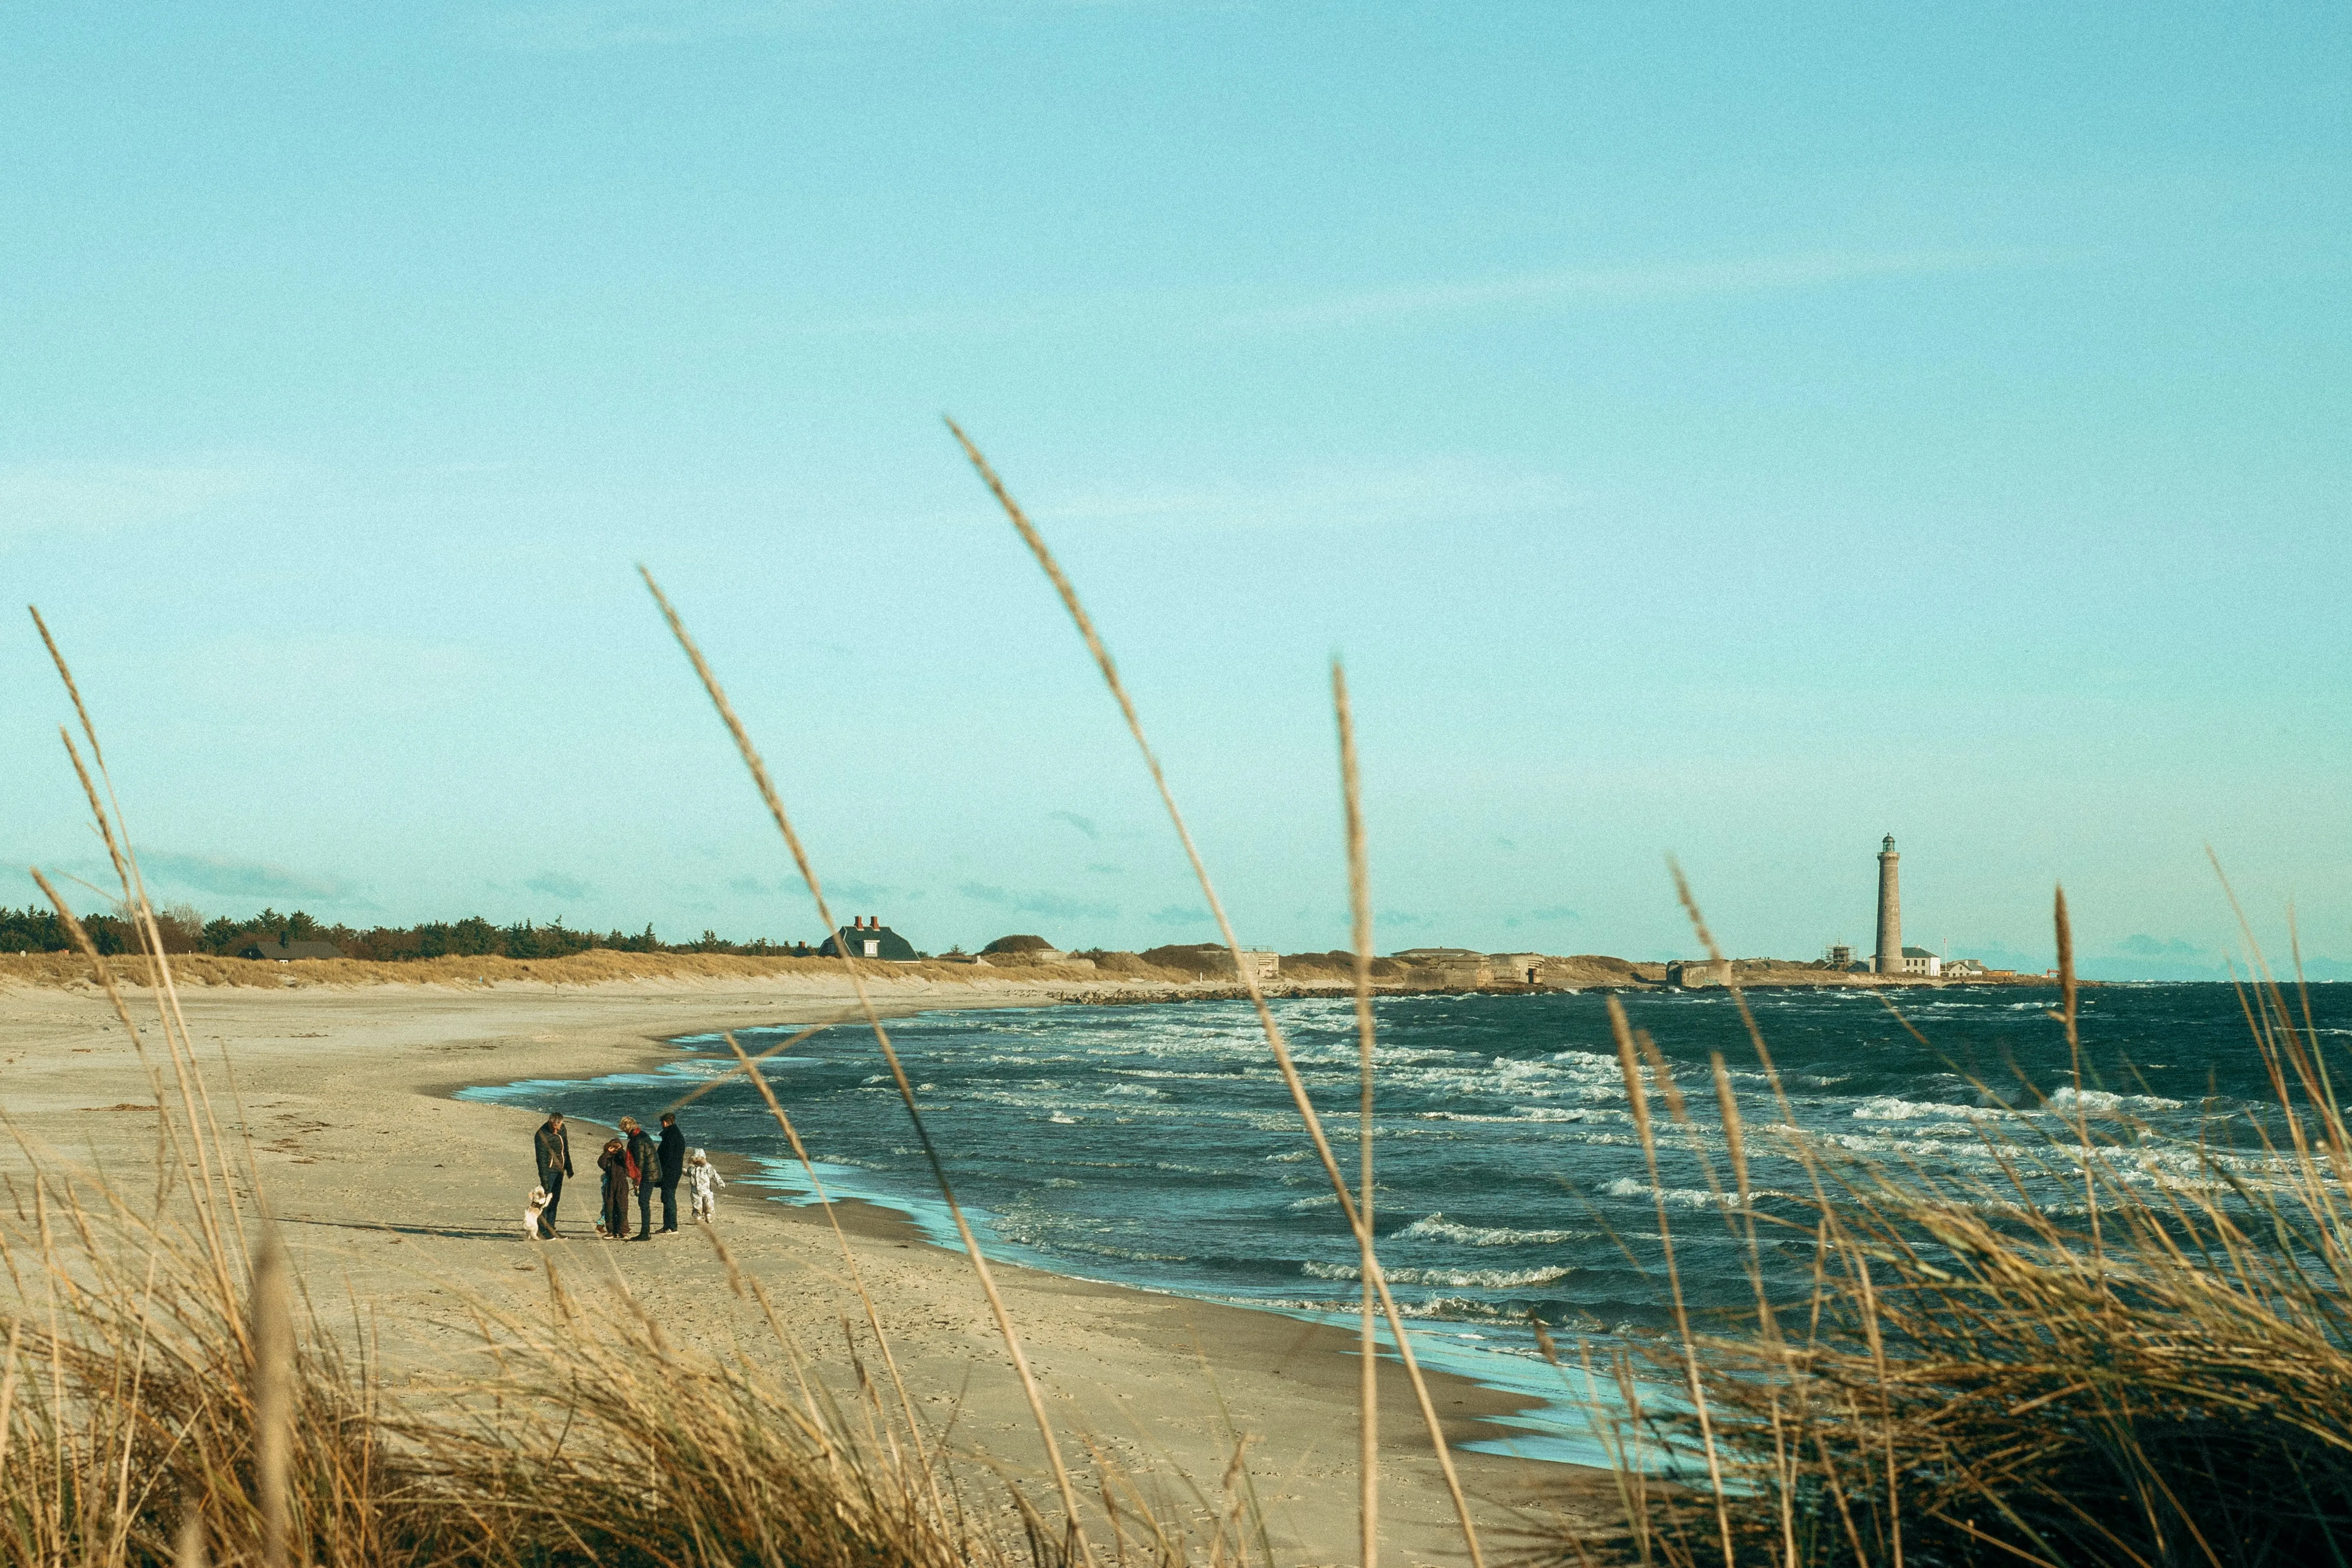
(1729, 432)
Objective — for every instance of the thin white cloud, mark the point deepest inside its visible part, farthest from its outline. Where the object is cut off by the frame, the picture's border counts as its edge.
(1608, 286)
(226, 877)
(557, 885)
(38, 499)
(632, 24)
(1058, 906)
(1448, 490)
(1237, 312)
(342, 668)
(643, 24)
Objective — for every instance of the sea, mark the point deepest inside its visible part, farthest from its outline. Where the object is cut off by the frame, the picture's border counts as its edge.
(1156, 1145)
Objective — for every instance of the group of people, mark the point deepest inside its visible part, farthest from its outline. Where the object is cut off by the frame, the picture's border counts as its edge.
(633, 1163)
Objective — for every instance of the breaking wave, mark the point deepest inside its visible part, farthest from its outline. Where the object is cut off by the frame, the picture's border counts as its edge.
(1452, 1279)
(2099, 1103)
(1437, 1227)
(1894, 1107)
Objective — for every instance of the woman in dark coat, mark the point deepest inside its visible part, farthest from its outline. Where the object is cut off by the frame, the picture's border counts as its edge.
(614, 1162)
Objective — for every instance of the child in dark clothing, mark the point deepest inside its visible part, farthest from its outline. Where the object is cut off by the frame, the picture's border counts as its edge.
(619, 1171)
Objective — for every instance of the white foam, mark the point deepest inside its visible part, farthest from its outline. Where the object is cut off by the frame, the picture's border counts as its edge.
(1437, 1227)
(1680, 1197)
(1892, 1108)
(2099, 1103)
(1454, 1278)
(1459, 1308)
(1946, 1145)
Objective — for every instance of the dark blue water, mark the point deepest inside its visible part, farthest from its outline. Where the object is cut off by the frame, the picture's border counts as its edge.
(1156, 1146)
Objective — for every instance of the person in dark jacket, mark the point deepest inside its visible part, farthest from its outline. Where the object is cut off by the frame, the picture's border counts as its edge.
(673, 1168)
(641, 1154)
(614, 1162)
(551, 1146)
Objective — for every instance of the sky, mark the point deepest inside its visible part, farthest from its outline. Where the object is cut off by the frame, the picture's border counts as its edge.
(1714, 432)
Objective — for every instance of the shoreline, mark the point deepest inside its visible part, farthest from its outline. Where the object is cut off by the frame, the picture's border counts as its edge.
(1507, 1409)
(970, 984)
(1473, 1409)
(406, 1203)
(1510, 1410)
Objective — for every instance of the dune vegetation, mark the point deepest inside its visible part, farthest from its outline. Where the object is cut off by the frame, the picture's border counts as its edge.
(593, 967)
(2158, 1374)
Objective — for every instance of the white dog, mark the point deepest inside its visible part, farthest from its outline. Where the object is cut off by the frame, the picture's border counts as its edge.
(532, 1210)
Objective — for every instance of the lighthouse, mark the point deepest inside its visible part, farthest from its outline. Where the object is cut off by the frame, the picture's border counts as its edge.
(1890, 911)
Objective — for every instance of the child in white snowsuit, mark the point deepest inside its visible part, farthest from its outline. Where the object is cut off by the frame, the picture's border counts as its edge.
(707, 1180)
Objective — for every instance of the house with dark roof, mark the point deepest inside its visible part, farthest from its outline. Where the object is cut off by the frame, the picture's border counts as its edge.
(280, 951)
(866, 936)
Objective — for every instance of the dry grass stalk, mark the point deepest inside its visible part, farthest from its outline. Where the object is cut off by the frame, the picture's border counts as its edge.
(1275, 1042)
(188, 1550)
(1637, 1101)
(1073, 1523)
(273, 1393)
(1359, 925)
(751, 1068)
(106, 816)
(2068, 1017)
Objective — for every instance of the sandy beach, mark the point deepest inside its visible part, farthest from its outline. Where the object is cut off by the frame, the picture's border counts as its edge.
(406, 1203)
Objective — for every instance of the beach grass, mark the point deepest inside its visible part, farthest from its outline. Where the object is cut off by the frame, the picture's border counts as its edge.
(2158, 1374)
(597, 966)
(147, 1416)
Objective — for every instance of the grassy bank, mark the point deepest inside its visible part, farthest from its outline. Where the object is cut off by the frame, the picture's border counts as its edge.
(171, 1398)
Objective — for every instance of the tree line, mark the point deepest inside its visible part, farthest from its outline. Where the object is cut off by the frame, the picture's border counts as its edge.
(184, 929)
